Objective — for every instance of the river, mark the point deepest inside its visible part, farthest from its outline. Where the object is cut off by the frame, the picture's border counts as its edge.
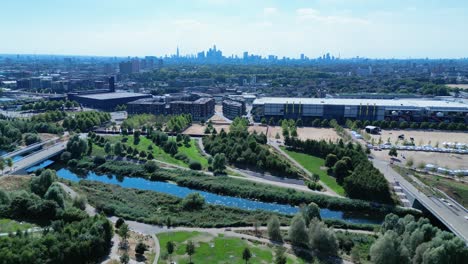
(173, 189)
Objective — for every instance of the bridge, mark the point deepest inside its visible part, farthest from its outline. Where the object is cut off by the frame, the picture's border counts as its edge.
(452, 216)
(37, 157)
(28, 148)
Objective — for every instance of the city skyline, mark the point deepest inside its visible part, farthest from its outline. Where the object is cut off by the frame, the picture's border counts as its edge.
(373, 29)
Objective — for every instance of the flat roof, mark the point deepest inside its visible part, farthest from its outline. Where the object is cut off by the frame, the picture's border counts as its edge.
(116, 95)
(149, 101)
(353, 102)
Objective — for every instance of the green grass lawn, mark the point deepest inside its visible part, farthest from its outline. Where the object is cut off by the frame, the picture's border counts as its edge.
(192, 152)
(313, 164)
(211, 249)
(8, 225)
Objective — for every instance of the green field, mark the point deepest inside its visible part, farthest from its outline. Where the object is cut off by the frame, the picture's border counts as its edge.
(8, 225)
(192, 152)
(313, 164)
(215, 249)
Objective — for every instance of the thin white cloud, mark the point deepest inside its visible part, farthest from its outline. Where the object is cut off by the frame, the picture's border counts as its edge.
(269, 11)
(308, 14)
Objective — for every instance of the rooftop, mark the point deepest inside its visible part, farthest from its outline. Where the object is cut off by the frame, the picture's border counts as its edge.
(149, 101)
(106, 96)
(343, 101)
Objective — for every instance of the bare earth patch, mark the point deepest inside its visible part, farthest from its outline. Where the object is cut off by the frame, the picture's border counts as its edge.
(423, 137)
(12, 183)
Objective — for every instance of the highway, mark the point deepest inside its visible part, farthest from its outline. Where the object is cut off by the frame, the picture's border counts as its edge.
(28, 148)
(37, 157)
(451, 216)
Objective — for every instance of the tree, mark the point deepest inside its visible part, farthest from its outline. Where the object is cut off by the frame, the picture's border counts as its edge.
(195, 165)
(310, 212)
(77, 147)
(39, 185)
(170, 249)
(246, 255)
(108, 148)
(65, 156)
(119, 222)
(280, 258)
(190, 249)
(393, 152)
(386, 250)
(340, 171)
(219, 163)
(273, 228)
(297, 231)
(118, 149)
(55, 193)
(140, 248)
(151, 166)
(124, 259)
(330, 160)
(321, 238)
(171, 147)
(193, 201)
(9, 162)
(123, 233)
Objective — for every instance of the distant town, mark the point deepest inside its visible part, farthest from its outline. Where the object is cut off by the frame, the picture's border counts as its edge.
(209, 158)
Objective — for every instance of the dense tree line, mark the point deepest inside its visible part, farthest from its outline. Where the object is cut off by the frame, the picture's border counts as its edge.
(358, 124)
(407, 240)
(248, 149)
(11, 130)
(49, 116)
(84, 241)
(178, 123)
(49, 105)
(354, 171)
(69, 235)
(85, 121)
(145, 122)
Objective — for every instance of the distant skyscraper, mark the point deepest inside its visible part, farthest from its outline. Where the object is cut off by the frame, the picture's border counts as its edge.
(125, 67)
(246, 55)
(177, 55)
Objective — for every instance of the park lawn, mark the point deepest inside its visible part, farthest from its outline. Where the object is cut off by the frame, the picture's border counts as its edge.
(8, 225)
(158, 153)
(215, 249)
(313, 165)
(193, 153)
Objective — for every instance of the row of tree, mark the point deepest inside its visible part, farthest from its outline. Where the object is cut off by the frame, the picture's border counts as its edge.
(49, 116)
(85, 121)
(12, 131)
(407, 240)
(49, 105)
(248, 149)
(350, 165)
(359, 124)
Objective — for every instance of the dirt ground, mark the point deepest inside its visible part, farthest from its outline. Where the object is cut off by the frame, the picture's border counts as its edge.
(133, 240)
(423, 137)
(303, 132)
(461, 86)
(446, 160)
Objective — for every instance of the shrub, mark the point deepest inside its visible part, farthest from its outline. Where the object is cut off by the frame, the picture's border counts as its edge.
(195, 165)
(181, 156)
(98, 160)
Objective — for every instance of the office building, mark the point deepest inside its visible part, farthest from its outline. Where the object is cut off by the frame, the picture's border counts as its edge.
(360, 109)
(233, 109)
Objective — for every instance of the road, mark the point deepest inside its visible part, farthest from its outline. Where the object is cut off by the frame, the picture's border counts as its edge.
(28, 148)
(451, 216)
(37, 157)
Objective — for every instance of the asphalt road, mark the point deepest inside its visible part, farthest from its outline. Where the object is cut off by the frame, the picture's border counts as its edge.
(452, 216)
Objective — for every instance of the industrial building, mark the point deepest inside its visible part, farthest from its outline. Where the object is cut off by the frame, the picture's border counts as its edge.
(200, 106)
(233, 109)
(359, 109)
(107, 101)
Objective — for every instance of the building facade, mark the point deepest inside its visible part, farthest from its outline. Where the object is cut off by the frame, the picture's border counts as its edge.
(233, 109)
(359, 109)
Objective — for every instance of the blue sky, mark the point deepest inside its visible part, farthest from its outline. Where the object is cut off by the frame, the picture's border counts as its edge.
(367, 28)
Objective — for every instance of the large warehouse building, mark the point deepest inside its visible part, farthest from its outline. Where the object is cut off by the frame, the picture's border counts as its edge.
(106, 101)
(360, 109)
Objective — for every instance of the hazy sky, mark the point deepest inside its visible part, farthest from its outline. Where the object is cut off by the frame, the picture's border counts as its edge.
(368, 28)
